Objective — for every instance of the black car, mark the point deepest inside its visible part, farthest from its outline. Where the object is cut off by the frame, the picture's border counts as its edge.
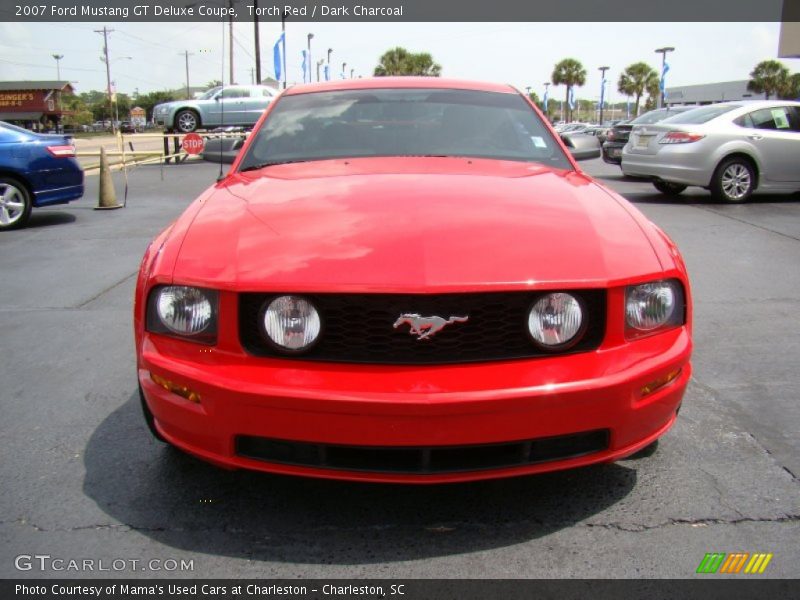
(127, 127)
(618, 135)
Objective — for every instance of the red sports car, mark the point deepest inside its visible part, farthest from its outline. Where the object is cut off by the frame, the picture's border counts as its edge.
(410, 280)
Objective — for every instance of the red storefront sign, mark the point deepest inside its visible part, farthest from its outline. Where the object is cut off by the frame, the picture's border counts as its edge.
(28, 101)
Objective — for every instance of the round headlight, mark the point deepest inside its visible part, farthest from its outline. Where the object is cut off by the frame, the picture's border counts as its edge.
(649, 306)
(555, 319)
(184, 310)
(292, 322)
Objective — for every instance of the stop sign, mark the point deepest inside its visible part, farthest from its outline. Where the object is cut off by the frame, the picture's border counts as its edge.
(192, 143)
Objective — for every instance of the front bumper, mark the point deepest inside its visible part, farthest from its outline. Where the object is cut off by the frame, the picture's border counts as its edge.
(402, 407)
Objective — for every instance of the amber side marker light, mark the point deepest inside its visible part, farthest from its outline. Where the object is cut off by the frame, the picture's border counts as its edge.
(659, 383)
(180, 390)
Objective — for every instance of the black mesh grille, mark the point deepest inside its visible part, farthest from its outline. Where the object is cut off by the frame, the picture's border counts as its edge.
(421, 460)
(359, 327)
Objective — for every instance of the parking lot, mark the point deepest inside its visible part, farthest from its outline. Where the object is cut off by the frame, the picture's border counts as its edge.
(82, 478)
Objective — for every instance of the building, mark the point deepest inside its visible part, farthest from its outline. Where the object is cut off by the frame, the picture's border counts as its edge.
(789, 44)
(708, 93)
(33, 104)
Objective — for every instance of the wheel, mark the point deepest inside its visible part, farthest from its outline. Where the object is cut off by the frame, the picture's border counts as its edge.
(15, 204)
(187, 121)
(149, 419)
(670, 189)
(734, 180)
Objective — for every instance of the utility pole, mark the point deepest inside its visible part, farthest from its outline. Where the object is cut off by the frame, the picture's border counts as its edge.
(602, 91)
(252, 75)
(105, 31)
(283, 31)
(230, 40)
(308, 59)
(187, 54)
(257, 41)
(663, 52)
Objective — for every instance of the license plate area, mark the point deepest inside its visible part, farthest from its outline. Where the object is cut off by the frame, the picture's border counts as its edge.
(643, 141)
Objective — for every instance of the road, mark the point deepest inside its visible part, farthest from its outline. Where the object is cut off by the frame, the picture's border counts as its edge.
(82, 477)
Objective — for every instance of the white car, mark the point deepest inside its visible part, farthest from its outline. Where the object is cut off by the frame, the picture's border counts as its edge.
(231, 105)
(730, 148)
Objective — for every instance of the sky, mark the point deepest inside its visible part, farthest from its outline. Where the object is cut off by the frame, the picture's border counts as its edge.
(150, 56)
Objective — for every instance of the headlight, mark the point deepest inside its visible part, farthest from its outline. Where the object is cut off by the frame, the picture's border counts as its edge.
(292, 323)
(652, 306)
(555, 320)
(183, 311)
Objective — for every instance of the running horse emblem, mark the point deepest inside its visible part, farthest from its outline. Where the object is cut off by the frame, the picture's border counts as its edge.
(426, 327)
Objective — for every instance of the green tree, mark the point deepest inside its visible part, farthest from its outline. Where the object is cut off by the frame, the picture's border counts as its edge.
(148, 101)
(399, 61)
(571, 73)
(635, 80)
(213, 83)
(535, 98)
(77, 113)
(791, 91)
(768, 77)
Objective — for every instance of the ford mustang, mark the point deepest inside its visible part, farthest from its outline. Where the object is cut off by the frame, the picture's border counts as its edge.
(410, 280)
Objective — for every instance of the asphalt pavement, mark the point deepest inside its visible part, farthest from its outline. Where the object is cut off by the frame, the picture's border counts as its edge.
(82, 478)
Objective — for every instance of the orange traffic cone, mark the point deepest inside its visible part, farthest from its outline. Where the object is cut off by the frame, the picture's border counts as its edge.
(107, 198)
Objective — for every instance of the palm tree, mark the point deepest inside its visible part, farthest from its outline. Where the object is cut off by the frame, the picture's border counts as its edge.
(768, 77)
(569, 72)
(791, 90)
(635, 80)
(399, 61)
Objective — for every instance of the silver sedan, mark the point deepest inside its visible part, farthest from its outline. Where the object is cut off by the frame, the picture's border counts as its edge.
(730, 148)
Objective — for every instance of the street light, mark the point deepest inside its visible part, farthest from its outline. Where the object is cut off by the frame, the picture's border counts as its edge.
(320, 62)
(545, 99)
(663, 52)
(310, 37)
(344, 69)
(602, 91)
(351, 73)
(58, 58)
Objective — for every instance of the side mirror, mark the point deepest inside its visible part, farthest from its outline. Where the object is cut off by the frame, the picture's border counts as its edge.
(582, 146)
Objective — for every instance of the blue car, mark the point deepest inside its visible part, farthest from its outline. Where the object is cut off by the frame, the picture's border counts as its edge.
(35, 170)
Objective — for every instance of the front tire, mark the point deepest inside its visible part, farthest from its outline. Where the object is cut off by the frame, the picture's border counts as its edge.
(734, 180)
(187, 121)
(15, 204)
(670, 189)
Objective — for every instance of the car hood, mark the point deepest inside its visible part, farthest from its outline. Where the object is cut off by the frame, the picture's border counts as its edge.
(432, 224)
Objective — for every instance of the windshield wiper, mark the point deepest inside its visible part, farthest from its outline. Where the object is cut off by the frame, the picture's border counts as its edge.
(272, 163)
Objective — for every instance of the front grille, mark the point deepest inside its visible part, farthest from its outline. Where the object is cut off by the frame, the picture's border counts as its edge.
(358, 328)
(422, 460)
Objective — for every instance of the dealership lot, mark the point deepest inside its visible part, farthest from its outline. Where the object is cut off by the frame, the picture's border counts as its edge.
(83, 479)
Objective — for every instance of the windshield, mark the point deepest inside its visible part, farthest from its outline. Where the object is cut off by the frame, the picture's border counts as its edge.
(209, 94)
(700, 115)
(403, 122)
